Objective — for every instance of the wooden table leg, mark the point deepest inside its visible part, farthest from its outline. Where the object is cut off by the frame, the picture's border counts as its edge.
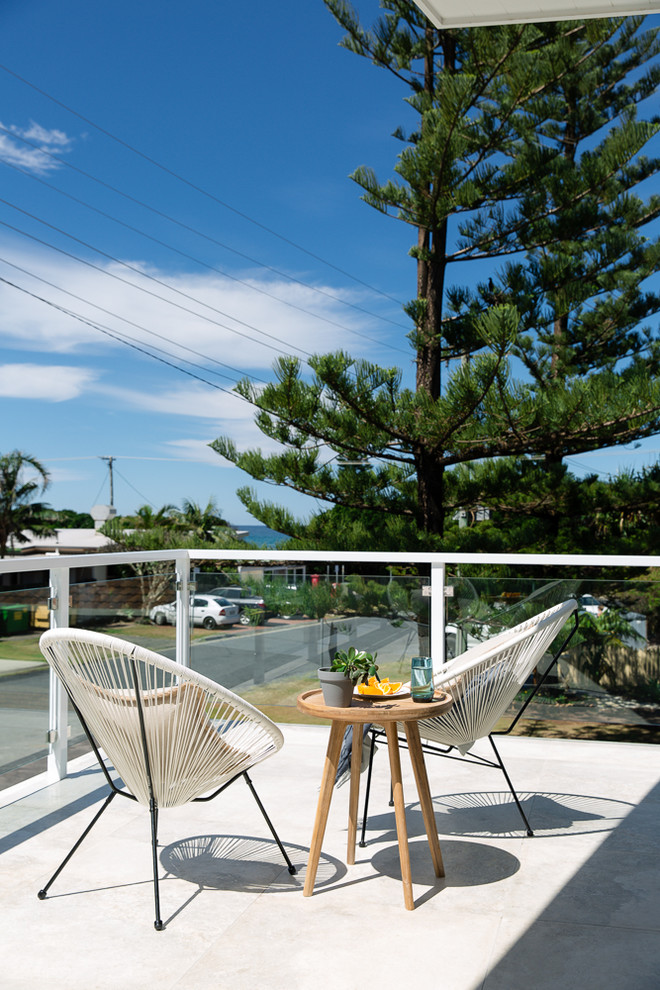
(424, 792)
(323, 807)
(353, 801)
(400, 813)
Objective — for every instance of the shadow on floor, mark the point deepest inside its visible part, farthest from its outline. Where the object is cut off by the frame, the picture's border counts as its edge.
(603, 929)
(246, 863)
(25, 827)
(493, 813)
(467, 864)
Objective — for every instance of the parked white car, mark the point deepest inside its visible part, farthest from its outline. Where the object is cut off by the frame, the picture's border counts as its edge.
(209, 611)
(245, 600)
(592, 605)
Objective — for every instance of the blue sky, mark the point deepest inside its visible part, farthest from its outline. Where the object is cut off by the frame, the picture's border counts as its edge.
(257, 117)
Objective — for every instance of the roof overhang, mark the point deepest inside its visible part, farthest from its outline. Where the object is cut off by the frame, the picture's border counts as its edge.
(477, 13)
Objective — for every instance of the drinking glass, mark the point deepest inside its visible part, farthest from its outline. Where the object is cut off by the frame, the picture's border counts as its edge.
(421, 678)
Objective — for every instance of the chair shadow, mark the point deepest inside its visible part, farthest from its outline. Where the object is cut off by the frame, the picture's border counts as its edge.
(230, 862)
(494, 813)
(254, 865)
(244, 863)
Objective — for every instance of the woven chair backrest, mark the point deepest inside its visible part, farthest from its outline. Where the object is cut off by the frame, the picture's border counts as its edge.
(198, 734)
(485, 680)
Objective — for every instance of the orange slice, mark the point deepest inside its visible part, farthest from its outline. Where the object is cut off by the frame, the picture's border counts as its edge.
(374, 688)
(384, 686)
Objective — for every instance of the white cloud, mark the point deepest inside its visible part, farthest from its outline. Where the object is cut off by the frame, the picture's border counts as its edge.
(193, 400)
(32, 147)
(126, 381)
(52, 383)
(35, 132)
(193, 449)
(224, 412)
(225, 322)
(61, 475)
(221, 414)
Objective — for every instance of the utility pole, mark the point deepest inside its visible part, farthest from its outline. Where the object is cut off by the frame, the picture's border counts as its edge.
(112, 489)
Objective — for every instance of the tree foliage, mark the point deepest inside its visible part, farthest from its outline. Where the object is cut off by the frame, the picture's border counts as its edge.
(22, 479)
(71, 519)
(528, 157)
(193, 528)
(170, 525)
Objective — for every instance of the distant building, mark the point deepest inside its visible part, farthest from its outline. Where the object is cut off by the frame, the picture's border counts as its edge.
(61, 541)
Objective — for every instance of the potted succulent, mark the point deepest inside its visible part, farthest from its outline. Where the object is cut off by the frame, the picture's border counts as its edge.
(348, 668)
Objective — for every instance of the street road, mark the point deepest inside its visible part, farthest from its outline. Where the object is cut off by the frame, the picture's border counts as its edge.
(237, 661)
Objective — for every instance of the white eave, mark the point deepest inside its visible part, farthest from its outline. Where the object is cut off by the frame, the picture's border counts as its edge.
(477, 13)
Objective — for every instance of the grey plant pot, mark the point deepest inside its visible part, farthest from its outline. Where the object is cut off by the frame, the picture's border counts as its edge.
(337, 688)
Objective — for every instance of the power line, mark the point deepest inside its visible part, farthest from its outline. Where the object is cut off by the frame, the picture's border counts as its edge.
(128, 457)
(198, 233)
(249, 285)
(127, 341)
(153, 278)
(138, 326)
(122, 339)
(140, 288)
(148, 501)
(100, 488)
(287, 346)
(585, 467)
(116, 334)
(192, 185)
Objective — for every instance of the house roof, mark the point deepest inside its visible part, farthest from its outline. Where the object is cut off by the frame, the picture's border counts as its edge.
(62, 541)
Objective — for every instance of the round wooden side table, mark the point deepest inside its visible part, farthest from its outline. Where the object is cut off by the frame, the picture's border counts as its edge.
(389, 713)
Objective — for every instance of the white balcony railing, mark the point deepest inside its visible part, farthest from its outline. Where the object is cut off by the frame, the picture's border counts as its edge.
(59, 569)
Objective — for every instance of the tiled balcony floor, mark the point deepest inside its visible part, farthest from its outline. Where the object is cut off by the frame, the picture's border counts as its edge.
(577, 905)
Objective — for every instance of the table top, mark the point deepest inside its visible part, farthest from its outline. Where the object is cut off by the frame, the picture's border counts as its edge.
(364, 709)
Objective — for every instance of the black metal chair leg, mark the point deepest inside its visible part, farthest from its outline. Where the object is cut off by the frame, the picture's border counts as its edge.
(153, 811)
(44, 890)
(291, 867)
(511, 788)
(372, 748)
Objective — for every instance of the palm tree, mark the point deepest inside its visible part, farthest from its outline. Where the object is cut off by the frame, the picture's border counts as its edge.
(199, 522)
(148, 518)
(18, 511)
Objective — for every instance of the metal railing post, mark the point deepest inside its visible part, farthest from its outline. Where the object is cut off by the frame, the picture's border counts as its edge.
(437, 613)
(58, 733)
(182, 565)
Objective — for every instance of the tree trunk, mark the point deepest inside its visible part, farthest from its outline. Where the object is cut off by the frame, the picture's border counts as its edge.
(431, 267)
(430, 493)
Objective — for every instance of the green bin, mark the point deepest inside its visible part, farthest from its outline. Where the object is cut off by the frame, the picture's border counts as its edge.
(14, 619)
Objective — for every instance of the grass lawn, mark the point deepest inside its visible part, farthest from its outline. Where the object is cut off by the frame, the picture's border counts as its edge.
(26, 646)
(21, 647)
(567, 729)
(277, 699)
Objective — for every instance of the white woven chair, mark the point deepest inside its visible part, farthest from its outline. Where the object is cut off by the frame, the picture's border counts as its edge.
(171, 734)
(483, 683)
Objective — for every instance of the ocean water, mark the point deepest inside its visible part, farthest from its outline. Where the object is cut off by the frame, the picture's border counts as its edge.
(263, 536)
